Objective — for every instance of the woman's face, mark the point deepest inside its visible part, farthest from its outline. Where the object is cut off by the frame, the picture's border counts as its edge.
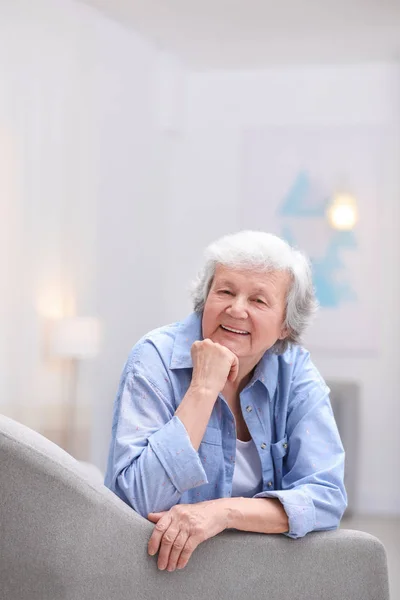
(251, 302)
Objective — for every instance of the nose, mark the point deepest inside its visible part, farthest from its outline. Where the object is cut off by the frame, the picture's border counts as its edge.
(237, 308)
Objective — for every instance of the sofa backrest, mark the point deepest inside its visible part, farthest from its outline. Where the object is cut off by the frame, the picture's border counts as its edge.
(63, 536)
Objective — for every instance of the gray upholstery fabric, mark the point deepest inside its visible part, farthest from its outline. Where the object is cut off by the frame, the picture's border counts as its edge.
(64, 536)
(91, 472)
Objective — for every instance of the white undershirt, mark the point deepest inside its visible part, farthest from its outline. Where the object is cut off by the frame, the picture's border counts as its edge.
(247, 475)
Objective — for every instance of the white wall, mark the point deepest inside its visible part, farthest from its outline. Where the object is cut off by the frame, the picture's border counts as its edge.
(46, 130)
(207, 199)
(142, 99)
(83, 193)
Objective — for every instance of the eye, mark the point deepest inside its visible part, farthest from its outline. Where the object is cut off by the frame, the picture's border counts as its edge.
(260, 301)
(228, 292)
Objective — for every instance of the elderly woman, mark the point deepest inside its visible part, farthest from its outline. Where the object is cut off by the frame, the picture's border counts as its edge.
(222, 420)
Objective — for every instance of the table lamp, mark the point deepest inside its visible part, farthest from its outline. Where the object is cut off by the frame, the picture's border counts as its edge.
(74, 339)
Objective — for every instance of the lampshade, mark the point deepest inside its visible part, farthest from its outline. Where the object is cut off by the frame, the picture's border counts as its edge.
(76, 337)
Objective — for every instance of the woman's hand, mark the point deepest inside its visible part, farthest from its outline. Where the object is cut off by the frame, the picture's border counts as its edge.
(181, 529)
(213, 365)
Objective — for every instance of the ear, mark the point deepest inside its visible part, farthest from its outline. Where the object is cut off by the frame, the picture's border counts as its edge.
(284, 333)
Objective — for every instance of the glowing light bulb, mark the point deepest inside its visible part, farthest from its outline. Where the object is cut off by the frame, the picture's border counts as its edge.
(342, 213)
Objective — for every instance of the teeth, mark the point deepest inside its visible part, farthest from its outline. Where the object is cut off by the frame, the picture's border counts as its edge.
(234, 330)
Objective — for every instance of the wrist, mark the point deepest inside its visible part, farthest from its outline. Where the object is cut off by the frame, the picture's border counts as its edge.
(229, 512)
(263, 515)
(203, 391)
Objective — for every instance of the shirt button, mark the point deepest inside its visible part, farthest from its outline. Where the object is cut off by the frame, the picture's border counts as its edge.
(249, 408)
(263, 446)
(285, 445)
(269, 484)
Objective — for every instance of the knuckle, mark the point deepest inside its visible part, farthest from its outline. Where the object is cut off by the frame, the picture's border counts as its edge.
(226, 353)
(168, 538)
(193, 520)
(198, 532)
(177, 513)
(160, 526)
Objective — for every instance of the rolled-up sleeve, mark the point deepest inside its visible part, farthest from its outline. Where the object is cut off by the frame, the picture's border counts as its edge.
(151, 461)
(312, 491)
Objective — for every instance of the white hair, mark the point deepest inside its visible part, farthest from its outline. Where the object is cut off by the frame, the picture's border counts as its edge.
(262, 251)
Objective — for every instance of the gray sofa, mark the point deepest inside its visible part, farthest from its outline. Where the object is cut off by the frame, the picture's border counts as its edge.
(63, 535)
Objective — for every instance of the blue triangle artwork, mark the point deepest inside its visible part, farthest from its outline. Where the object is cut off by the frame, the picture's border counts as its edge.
(332, 290)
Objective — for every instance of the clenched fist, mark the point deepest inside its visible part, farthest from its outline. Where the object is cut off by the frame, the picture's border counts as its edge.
(213, 365)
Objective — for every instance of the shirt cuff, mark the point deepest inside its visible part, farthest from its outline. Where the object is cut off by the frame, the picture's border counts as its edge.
(173, 448)
(299, 508)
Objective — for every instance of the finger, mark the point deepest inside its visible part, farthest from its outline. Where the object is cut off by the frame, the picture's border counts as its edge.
(187, 552)
(233, 373)
(167, 541)
(155, 517)
(176, 550)
(158, 531)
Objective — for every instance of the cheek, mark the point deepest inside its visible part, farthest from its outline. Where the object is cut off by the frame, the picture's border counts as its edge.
(210, 315)
(213, 309)
(267, 327)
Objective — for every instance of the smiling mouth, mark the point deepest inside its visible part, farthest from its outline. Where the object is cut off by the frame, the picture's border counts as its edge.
(231, 330)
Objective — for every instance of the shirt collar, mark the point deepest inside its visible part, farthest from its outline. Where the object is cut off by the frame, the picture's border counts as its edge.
(266, 372)
(190, 331)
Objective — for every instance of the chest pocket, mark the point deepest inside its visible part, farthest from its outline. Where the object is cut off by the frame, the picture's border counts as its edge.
(278, 452)
(210, 452)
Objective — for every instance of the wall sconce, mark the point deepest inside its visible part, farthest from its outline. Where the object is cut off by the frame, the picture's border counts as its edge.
(342, 213)
(74, 339)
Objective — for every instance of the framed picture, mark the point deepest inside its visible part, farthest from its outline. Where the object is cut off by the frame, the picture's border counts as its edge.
(289, 179)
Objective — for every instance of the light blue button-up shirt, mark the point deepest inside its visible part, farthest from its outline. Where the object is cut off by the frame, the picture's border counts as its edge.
(152, 464)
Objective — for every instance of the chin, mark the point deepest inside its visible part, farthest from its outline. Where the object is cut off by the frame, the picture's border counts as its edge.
(233, 346)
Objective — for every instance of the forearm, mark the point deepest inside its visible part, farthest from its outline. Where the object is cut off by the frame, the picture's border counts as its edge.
(140, 491)
(162, 470)
(195, 411)
(262, 515)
